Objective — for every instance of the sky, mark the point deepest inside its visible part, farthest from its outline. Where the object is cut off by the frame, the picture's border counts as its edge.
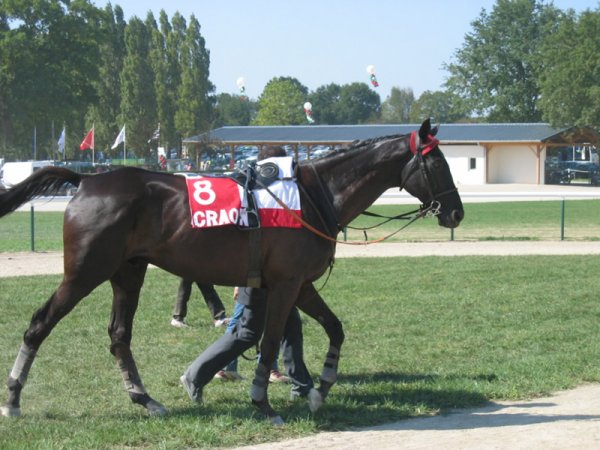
(329, 41)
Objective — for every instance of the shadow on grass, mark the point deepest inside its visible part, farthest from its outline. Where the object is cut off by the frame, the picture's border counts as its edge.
(359, 400)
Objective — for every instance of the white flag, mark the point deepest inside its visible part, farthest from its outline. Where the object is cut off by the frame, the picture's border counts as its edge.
(61, 141)
(120, 138)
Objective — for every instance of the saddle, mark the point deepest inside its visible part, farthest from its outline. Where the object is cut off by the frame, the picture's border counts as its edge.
(254, 177)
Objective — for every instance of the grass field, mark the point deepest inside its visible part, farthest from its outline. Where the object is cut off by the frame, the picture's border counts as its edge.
(518, 221)
(422, 335)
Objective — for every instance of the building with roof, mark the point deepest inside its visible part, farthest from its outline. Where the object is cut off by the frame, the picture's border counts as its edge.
(477, 153)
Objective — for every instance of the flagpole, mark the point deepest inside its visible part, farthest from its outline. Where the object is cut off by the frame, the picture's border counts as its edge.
(94, 138)
(124, 146)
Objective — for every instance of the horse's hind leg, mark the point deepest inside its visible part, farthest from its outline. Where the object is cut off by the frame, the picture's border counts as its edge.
(126, 284)
(312, 304)
(43, 321)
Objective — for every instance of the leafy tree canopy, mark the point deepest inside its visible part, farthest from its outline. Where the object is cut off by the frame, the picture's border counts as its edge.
(496, 70)
(570, 81)
(281, 102)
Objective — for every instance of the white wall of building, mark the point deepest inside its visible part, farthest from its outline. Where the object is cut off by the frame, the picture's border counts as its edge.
(512, 164)
(467, 163)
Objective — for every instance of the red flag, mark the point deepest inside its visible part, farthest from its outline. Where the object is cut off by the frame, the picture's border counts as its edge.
(88, 141)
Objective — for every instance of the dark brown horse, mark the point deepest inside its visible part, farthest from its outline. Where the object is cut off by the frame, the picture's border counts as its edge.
(119, 222)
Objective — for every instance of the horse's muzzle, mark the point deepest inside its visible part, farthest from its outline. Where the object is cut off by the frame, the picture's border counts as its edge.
(452, 218)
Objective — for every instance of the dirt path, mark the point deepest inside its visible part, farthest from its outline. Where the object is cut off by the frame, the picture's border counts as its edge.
(566, 420)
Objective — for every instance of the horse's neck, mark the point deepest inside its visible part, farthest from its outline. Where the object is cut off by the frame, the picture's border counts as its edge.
(357, 181)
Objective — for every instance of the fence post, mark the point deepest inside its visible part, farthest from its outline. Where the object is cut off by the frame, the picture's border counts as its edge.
(32, 226)
(562, 219)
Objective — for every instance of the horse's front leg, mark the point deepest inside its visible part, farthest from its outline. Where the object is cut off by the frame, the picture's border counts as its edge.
(280, 299)
(126, 284)
(312, 304)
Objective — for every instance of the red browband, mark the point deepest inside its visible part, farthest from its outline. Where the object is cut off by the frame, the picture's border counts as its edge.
(415, 143)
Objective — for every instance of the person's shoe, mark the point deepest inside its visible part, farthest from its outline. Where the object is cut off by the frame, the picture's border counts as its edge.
(193, 393)
(297, 395)
(221, 322)
(277, 377)
(178, 323)
(228, 375)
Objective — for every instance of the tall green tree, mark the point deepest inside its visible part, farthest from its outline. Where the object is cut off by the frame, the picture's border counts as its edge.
(441, 106)
(496, 70)
(325, 100)
(358, 104)
(281, 102)
(195, 100)
(233, 110)
(138, 100)
(570, 81)
(47, 69)
(103, 113)
(396, 107)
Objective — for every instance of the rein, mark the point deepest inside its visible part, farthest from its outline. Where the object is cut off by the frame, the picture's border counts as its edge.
(432, 210)
(418, 148)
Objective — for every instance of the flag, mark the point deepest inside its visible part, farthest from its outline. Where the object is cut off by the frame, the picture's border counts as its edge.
(61, 141)
(120, 138)
(155, 135)
(88, 140)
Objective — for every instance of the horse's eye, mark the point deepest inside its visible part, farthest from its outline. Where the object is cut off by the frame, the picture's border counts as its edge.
(437, 164)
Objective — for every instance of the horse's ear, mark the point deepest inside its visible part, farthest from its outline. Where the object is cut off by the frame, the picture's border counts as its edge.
(435, 130)
(425, 130)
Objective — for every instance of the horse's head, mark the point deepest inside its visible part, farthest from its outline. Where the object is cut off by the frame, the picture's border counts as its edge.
(427, 176)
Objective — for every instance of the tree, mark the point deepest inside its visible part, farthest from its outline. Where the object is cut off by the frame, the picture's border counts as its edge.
(496, 69)
(358, 104)
(396, 108)
(281, 102)
(47, 69)
(569, 81)
(194, 113)
(442, 107)
(324, 101)
(104, 111)
(232, 110)
(138, 101)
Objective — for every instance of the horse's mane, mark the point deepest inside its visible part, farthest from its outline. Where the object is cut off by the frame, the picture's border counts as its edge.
(355, 145)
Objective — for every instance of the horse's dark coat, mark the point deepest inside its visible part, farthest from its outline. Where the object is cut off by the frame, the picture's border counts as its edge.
(119, 222)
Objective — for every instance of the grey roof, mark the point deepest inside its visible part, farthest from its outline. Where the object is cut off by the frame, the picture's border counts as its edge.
(331, 134)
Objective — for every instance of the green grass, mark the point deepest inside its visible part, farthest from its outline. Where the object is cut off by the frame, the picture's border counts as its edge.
(483, 221)
(422, 335)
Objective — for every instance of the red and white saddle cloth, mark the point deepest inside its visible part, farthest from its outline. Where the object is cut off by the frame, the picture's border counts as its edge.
(216, 202)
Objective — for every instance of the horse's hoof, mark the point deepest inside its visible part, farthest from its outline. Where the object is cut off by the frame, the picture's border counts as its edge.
(10, 411)
(315, 400)
(155, 409)
(276, 421)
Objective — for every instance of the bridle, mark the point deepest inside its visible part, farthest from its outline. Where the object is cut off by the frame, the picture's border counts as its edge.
(417, 163)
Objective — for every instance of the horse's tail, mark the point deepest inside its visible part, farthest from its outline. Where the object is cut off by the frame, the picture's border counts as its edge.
(44, 182)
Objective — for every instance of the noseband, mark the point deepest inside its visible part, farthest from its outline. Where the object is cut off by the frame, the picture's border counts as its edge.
(417, 163)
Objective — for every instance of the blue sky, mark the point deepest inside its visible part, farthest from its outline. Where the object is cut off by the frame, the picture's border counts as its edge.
(329, 41)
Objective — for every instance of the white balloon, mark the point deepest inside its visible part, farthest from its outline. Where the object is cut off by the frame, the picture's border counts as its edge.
(308, 106)
(241, 82)
(370, 69)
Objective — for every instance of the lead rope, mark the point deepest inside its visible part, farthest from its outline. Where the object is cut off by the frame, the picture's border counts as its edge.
(432, 210)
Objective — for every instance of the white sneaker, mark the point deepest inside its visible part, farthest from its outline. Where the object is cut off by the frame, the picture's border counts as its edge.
(178, 323)
(221, 322)
(228, 375)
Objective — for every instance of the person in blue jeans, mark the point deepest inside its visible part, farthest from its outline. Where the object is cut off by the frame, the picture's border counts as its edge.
(245, 334)
(230, 373)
